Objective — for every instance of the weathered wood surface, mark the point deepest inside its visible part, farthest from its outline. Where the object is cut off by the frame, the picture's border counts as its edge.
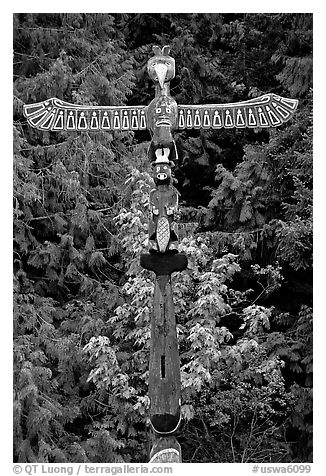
(166, 450)
(164, 366)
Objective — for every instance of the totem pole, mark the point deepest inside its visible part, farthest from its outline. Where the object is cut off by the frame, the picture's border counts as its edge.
(161, 117)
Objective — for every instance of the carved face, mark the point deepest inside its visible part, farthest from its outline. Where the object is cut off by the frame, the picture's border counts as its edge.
(162, 112)
(162, 116)
(162, 174)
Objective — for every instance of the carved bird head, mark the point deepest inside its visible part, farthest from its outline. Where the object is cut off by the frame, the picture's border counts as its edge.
(161, 67)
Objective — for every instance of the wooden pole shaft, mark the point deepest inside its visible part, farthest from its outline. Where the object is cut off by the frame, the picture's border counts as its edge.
(164, 367)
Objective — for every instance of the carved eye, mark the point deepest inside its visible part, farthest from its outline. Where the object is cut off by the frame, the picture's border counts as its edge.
(158, 109)
(167, 109)
(168, 63)
(157, 169)
(165, 167)
(153, 65)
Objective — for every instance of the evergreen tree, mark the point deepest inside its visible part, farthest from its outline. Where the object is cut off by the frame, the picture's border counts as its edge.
(82, 303)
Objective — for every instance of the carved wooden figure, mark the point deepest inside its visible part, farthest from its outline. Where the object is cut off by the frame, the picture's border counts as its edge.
(161, 117)
(162, 230)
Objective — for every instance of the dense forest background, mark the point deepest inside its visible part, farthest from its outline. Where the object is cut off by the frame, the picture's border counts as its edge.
(82, 303)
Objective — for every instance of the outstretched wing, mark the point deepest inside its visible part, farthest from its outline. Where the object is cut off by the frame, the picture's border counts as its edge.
(268, 110)
(57, 115)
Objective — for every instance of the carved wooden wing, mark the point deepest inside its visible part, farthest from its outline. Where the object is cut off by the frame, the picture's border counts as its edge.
(56, 115)
(268, 110)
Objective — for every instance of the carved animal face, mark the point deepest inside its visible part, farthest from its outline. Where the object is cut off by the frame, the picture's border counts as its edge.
(161, 68)
(162, 174)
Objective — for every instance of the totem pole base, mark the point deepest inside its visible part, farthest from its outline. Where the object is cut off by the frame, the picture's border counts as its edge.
(166, 450)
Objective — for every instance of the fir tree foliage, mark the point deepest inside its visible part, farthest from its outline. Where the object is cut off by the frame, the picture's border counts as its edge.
(82, 304)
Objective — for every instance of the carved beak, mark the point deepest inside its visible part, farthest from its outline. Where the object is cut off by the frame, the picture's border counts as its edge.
(161, 70)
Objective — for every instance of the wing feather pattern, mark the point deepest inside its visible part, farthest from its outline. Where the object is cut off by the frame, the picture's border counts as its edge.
(268, 110)
(56, 115)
